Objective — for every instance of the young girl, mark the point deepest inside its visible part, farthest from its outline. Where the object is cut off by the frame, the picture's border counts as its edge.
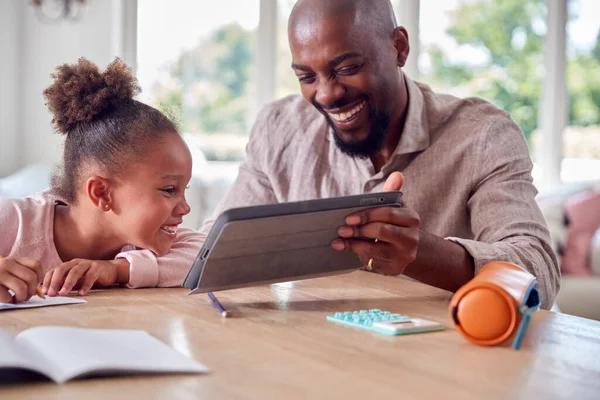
(113, 212)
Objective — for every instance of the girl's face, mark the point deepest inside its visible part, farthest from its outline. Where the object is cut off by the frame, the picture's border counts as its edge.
(149, 200)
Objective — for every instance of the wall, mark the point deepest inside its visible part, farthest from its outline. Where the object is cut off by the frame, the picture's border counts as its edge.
(44, 47)
(10, 95)
(32, 53)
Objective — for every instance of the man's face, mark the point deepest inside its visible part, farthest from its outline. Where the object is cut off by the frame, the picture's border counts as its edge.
(351, 77)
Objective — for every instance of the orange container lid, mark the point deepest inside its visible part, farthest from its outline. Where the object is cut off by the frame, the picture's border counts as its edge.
(485, 315)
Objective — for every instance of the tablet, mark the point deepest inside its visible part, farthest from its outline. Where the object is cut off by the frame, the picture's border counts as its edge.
(281, 242)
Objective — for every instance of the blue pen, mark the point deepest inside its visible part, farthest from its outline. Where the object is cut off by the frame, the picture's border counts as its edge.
(217, 304)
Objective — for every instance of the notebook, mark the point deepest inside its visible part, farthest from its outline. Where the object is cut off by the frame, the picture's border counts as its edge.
(65, 353)
(35, 302)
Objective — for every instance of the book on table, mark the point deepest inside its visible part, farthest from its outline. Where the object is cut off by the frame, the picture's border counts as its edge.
(65, 353)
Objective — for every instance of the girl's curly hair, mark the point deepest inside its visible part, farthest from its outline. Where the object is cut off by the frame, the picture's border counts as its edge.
(102, 122)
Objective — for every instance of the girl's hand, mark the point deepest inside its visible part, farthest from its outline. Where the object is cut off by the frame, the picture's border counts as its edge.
(83, 274)
(21, 275)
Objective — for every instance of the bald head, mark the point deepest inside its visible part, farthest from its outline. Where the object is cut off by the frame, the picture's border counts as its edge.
(371, 16)
(347, 55)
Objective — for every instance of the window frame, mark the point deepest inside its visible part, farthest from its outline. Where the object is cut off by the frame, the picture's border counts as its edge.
(554, 95)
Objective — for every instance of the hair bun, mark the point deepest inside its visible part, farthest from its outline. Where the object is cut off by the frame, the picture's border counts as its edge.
(80, 92)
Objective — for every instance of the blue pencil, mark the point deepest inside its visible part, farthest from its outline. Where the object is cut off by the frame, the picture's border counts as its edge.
(217, 304)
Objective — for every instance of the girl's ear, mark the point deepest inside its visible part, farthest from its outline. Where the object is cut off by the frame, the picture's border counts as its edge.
(99, 192)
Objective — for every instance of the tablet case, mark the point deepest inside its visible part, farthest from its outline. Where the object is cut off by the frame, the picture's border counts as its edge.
(295, 250)
(274, 249)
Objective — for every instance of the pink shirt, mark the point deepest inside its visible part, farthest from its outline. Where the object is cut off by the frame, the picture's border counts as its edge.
(27, 230)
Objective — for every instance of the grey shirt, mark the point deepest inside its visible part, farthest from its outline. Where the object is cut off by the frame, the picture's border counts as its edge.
(466, 165)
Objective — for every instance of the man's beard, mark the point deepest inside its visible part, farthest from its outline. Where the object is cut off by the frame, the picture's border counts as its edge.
(378, 126)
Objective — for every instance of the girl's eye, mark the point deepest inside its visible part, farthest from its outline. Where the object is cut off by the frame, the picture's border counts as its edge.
(169, 191)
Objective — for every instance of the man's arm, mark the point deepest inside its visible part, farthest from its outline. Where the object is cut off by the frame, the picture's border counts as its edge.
(506, 222)
(402, 248)
(441, 263)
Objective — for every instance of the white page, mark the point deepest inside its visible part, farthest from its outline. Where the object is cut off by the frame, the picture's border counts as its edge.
(36, 301)
(80, 351)
(13, 355)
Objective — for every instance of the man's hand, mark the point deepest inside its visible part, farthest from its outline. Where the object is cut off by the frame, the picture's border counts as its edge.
(83, 274)
(395, 231)
(21, 275)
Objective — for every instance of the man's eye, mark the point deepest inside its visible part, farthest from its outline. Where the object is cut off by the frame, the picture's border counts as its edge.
(349, 70)
(306, 78)
(170, 191)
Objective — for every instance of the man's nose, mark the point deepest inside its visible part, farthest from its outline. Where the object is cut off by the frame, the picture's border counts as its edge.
(329, 91)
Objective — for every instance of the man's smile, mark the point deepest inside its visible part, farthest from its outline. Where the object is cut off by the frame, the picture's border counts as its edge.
(346, 115)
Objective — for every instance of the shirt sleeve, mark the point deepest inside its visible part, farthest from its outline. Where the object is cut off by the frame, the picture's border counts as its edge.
(10, 222)
(506, 221)
(252, 185)
(147, 270)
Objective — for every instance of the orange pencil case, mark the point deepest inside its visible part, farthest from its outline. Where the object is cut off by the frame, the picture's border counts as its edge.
(495, 304)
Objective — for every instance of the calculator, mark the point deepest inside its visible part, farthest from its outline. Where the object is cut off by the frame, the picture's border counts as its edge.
(385, 322)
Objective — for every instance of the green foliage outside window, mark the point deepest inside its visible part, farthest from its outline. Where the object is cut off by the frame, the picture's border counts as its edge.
(511, 33)
(213, 83)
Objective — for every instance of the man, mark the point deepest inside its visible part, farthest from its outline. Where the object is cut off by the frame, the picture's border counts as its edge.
(465, 166)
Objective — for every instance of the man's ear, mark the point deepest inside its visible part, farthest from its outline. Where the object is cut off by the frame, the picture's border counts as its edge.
(401, 44)
(99, 191)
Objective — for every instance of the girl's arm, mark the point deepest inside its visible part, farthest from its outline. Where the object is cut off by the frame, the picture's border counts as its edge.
(147, 270)
(21, 275)
(132, 267)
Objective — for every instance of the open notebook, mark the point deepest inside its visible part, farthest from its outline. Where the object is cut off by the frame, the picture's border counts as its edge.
(65, 353)
(35, 302)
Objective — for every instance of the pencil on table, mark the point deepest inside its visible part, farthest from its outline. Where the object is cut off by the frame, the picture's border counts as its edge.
(217, 304)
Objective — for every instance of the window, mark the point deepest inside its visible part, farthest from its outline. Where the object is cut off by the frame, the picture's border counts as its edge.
(489, 49)
(287, 83)
(581, 138)
(197, 62)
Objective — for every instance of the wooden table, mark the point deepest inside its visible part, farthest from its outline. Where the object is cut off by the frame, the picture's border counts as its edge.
(279, 345)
